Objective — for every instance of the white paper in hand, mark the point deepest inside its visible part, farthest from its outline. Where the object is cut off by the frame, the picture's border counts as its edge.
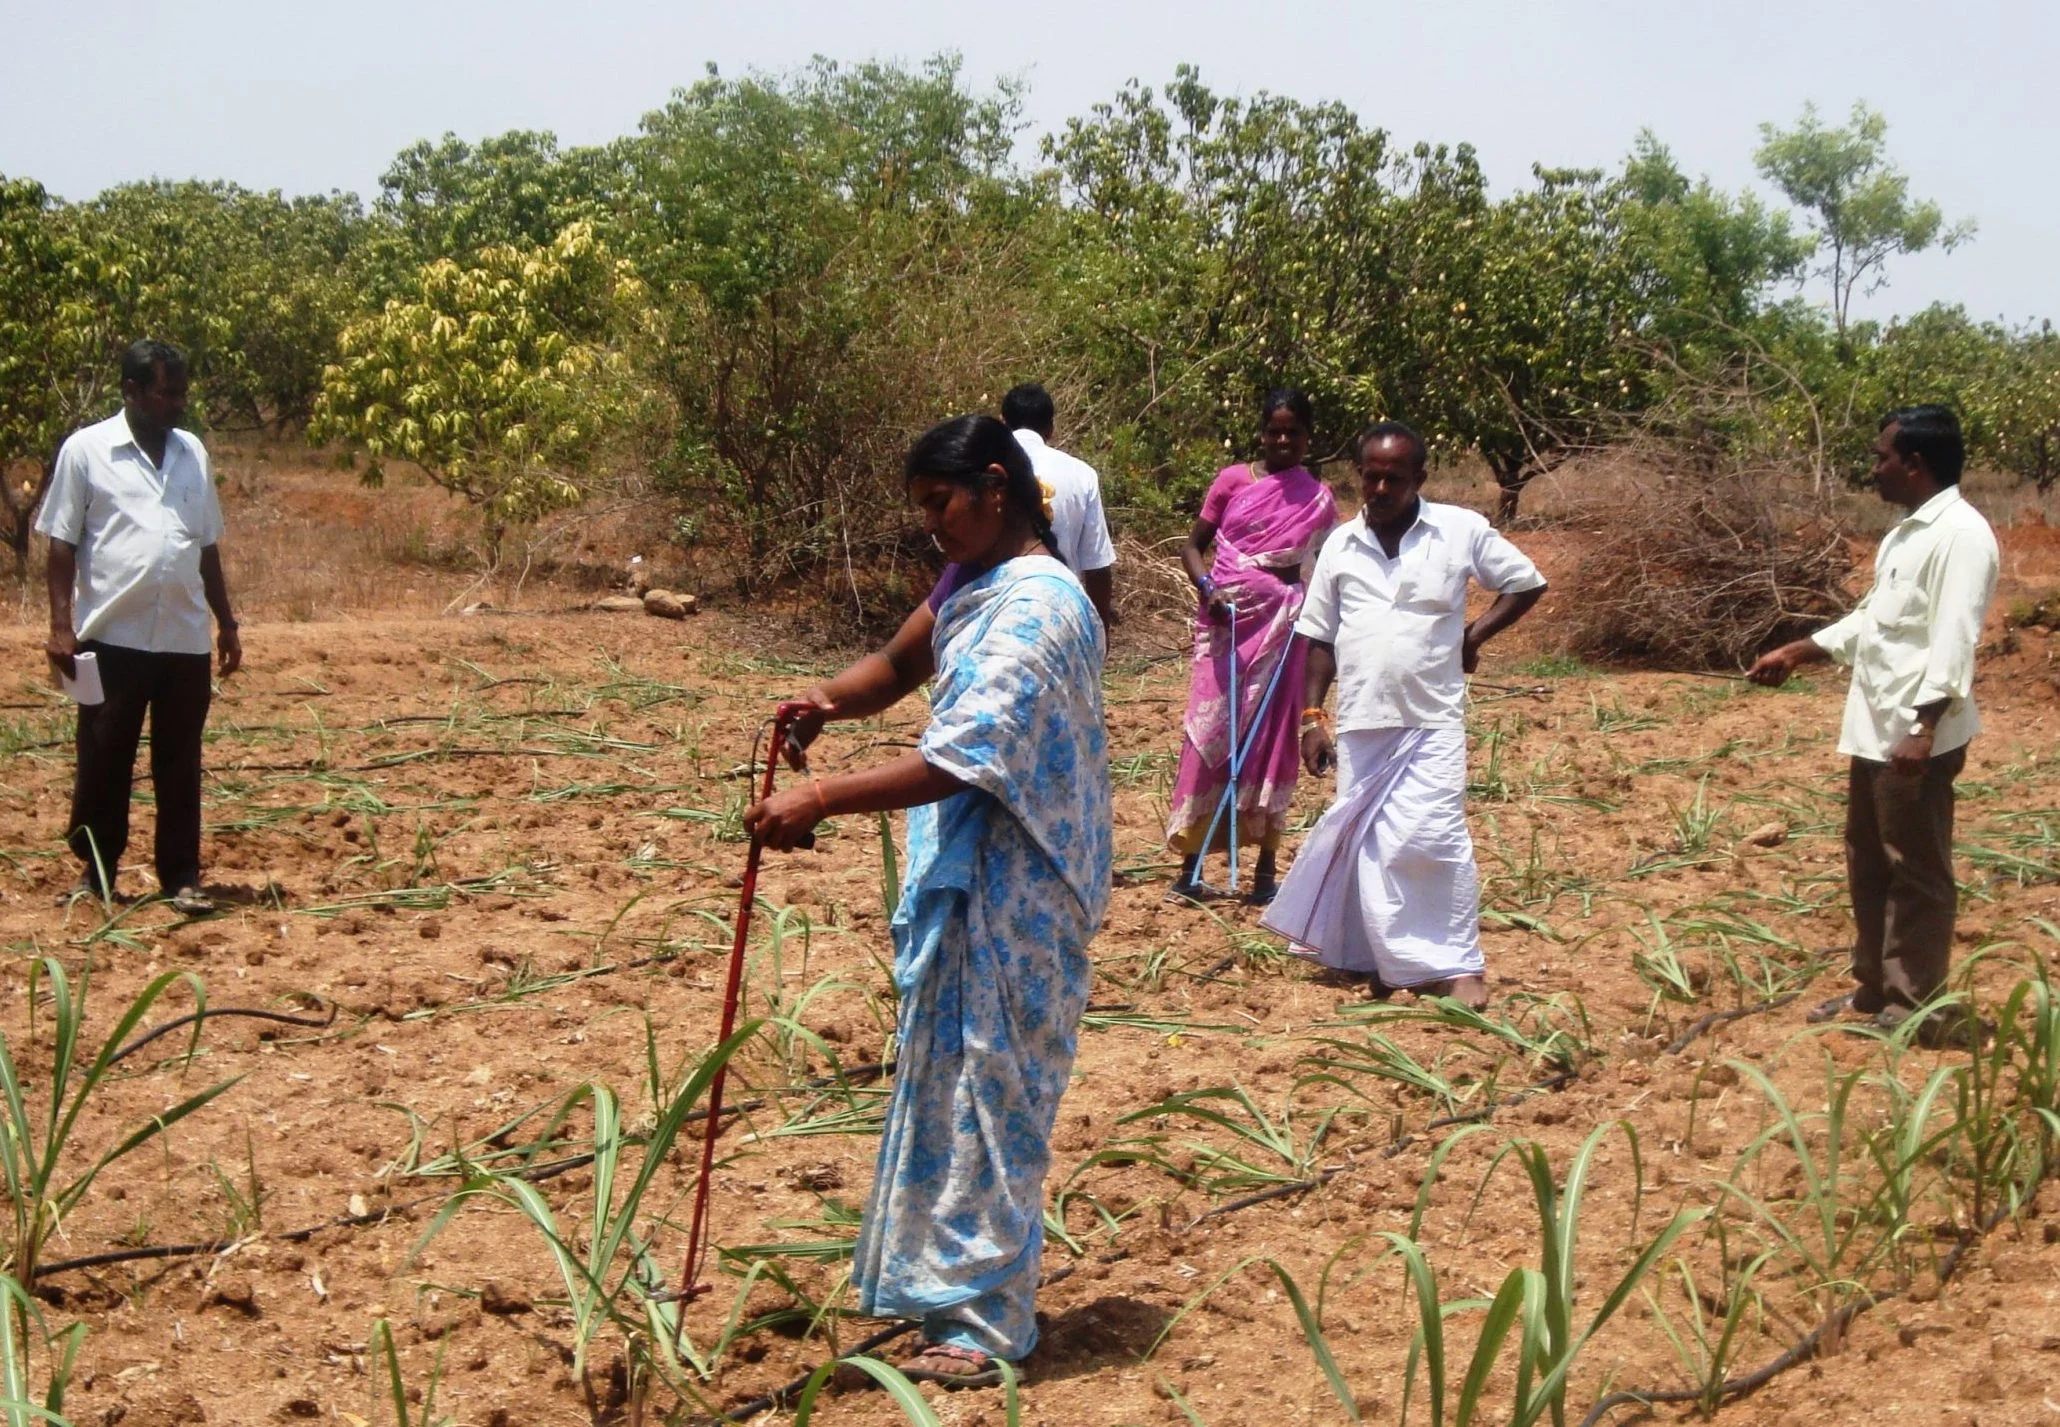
(84, 685)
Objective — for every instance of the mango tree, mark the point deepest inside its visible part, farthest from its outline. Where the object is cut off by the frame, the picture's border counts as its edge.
(67, 305)
(501, 379)
(253, 287)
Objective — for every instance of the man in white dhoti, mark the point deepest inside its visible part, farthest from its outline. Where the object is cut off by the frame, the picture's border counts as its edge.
(1385, 885)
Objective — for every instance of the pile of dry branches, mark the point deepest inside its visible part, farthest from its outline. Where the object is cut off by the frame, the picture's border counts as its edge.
(1707, 558)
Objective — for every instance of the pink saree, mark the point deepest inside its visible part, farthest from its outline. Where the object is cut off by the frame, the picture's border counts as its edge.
(1264, 523)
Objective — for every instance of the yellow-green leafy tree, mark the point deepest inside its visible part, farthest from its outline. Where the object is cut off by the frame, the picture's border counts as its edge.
(504, 380)
(68, 300)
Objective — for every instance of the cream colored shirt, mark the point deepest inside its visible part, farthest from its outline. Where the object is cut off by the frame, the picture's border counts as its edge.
(139, 530)
(1911, 640)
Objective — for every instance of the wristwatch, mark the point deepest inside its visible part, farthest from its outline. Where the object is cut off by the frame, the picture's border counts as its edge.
(1918, 730)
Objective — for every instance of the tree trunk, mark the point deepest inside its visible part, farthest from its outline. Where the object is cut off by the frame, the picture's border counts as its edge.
(21, 513)
(1513, 471)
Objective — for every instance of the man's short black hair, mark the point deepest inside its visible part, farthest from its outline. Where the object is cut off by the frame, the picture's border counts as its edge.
(1384, 430)
(1932, 432)
(1028, 408)
(145, 359)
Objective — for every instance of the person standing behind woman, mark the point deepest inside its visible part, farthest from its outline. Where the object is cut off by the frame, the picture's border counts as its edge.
(1009, 850)
(1266, 520)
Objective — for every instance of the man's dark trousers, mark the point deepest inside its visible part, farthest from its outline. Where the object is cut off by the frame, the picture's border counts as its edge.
(174, 689)
(1899, 860)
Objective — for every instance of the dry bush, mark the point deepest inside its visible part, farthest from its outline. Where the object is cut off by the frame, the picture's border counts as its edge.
(1707, 558)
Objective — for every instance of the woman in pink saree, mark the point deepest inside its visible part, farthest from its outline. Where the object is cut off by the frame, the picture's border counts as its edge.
(1266, 520)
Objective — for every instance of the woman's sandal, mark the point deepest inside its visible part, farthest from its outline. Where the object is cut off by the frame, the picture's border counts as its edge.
(974, 1368)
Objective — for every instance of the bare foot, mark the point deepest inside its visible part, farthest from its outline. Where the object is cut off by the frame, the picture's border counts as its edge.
(1469, 991)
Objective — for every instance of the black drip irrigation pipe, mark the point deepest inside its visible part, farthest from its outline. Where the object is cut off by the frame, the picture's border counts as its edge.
(1389, 1151)
(1718, 1018)
(751, 1407)
(1833, 1327)
(208, 1013)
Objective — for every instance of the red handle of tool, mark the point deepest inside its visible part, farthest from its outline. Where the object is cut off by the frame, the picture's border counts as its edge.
(691, 1286)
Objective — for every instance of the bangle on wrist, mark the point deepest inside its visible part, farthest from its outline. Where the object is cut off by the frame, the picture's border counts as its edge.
(822, 804)
(1205, 587)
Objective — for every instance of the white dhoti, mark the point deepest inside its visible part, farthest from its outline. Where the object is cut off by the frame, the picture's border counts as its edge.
(1385, 883)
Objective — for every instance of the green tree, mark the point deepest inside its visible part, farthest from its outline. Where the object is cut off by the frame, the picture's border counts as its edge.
(1215, 247)
(451, 199)
(2025, 413)
(1710, 258)
(838, 262)
(254, 287)
(1522, 335)
(67, 307)
(500, 380)
(1861, 202)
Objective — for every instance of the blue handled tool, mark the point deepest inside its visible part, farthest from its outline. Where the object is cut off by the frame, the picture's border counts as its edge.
(1235, 688)
(1238, 755)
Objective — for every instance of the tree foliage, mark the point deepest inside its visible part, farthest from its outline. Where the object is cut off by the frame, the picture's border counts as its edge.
(839, 256)
(499, 379)
(251, 286)
(67, 301)
(1860, 201)
(753, 302)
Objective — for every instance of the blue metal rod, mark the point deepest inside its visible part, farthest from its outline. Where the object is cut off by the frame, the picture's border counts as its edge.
(1235, 688)
(1239, 755)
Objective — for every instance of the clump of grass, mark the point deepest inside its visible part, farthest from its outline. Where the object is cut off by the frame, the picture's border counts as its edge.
(43, 1184)
(610, 1272)
(394, 1390)
(21, 1322)
(1269, 1150)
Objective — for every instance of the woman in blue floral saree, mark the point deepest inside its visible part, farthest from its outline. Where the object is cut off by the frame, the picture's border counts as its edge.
(1009, 838)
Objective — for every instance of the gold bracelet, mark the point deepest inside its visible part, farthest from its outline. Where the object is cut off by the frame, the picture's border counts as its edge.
(822, 803)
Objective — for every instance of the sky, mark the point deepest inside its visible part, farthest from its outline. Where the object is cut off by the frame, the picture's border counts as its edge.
(275, 94)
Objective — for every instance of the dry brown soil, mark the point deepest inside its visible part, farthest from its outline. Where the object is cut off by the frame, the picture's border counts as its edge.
(502, 847)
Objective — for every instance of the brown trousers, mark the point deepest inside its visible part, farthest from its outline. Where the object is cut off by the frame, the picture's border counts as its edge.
(1899, 863)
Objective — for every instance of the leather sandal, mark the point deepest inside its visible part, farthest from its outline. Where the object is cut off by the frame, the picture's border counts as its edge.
(980, 1369)
(1830, 1010)
(191, 902)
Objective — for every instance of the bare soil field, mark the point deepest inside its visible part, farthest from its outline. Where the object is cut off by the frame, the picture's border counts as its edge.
(495, 859)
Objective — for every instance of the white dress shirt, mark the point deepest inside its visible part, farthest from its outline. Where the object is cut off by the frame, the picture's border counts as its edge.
(139, 531)
(1911, 641)
(1398, 624)
(1077, 519)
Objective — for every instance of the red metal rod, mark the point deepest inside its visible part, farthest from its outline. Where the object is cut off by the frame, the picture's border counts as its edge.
(691, 1286)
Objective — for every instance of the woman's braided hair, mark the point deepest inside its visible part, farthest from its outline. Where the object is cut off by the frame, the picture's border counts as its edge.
(963, 449)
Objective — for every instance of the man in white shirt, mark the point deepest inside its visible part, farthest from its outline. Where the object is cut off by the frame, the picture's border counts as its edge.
(1385, 886)
(1077, 517)
(1909, 715)
(135, 570)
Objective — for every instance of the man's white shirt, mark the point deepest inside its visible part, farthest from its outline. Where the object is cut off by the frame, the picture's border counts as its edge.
(1398, 624)
(139, 531)
(1911, 640)
(1077, 519)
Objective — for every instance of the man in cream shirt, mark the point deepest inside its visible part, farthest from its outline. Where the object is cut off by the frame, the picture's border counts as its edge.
(1908, 717)
(134, 575)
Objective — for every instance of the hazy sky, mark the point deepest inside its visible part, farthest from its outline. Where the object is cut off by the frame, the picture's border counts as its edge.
(277, 94)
